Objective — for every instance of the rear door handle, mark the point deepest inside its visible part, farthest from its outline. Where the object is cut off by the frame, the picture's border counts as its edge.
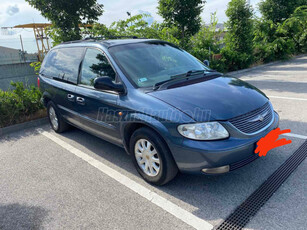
(81, 100)
(70, 97)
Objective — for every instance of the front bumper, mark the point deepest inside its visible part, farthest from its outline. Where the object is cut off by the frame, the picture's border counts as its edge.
(194, 156)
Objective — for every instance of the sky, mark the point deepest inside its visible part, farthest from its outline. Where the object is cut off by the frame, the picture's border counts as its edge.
(15, 12)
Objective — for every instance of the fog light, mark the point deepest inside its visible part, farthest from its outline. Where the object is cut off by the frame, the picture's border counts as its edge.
(217, 170)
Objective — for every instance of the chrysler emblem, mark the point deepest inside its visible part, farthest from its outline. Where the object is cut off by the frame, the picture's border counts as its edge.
(259, 117)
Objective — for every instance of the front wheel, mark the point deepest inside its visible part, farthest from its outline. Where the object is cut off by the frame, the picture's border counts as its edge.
(152, 157)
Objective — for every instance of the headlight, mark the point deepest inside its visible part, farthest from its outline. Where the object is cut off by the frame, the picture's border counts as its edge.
(203, 131)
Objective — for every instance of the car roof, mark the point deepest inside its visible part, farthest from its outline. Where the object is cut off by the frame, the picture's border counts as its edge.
(109, 43)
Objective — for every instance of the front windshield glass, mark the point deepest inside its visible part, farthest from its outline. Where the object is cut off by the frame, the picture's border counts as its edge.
(147, 64)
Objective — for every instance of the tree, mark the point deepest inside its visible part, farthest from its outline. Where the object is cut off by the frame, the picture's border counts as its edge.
(239, 37)
(279, 10)
(138, 26)
(66, 16)
(182, 14)
(275, 41)
(295, 28)
(271, 42)
(239, 26)
(207, 38)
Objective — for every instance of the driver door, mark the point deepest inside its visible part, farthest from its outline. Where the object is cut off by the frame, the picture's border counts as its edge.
(97, 109)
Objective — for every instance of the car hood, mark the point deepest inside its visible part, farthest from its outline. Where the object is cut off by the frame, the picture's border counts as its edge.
(220, 98)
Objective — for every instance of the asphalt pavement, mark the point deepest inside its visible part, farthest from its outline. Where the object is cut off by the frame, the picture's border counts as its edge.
(77, 181)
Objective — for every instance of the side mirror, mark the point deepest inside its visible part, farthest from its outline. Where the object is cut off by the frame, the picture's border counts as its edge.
(105, 83)
(206, 62)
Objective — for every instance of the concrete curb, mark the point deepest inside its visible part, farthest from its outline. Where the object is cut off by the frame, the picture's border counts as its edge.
(264, 65)
(26, 125)
(252, 68)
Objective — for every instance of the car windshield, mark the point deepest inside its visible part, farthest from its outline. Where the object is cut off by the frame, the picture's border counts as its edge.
(147, 64)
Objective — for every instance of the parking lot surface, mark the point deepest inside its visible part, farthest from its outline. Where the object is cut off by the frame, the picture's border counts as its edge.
(75, 180)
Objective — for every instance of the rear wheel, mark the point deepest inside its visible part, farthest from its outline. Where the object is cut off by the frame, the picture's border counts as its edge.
(152, 157)
(56, 121)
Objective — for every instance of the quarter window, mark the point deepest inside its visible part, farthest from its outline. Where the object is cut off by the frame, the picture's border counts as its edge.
(95, 64)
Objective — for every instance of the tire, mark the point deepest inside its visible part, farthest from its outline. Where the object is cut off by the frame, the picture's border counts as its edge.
(167, 168)
(53, 111)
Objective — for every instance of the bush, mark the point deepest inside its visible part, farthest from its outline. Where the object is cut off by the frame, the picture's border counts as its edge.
(36, 66)
(218, 65)
(279, 49)
(271, 42)
(295, 28)
(18, 104)
(234, 60)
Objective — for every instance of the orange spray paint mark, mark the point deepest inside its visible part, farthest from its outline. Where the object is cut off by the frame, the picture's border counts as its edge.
(265, 144)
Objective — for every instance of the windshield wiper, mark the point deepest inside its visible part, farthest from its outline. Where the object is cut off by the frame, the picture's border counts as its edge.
(186, 75)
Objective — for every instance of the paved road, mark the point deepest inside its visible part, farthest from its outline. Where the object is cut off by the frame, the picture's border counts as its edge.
(51, 181)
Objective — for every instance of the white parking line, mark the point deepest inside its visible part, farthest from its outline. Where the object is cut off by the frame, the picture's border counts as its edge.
(153, 197)
(295, 135)
(289, 98)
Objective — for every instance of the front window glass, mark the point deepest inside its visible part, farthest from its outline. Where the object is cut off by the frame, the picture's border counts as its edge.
(95, 64)
(149, 63)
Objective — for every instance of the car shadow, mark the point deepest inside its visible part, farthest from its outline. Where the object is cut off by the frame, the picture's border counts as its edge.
(208, 197)
(17, 216)
(15, 136)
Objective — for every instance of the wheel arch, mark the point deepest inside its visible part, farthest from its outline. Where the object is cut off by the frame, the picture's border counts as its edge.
(140, 121)
(46, 98)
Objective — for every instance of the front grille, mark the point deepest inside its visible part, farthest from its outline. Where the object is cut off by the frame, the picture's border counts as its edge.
(255, 120)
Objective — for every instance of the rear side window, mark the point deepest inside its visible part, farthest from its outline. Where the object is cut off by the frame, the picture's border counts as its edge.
(63, 64)
(95, 64)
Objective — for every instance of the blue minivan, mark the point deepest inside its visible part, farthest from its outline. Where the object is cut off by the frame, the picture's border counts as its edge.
(167, 109)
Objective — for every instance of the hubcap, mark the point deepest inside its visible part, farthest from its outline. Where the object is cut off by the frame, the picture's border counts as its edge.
(53, 118)
(147, 157)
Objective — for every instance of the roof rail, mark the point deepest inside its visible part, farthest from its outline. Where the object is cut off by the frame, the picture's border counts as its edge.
(101, 38)
(109, 37)
(69, 42)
